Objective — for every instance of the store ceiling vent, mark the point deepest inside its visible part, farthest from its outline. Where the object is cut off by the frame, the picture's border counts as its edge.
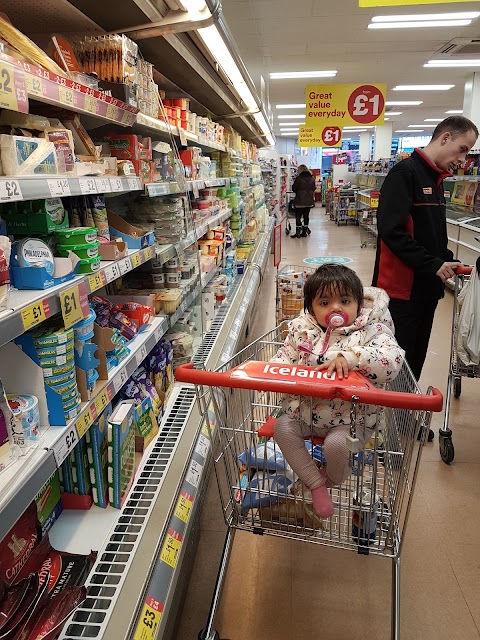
(459, 48)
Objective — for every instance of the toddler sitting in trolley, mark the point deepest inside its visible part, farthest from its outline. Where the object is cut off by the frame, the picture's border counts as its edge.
(343, 327)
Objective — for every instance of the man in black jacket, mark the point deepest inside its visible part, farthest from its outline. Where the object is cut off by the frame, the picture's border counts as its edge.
(413, 260)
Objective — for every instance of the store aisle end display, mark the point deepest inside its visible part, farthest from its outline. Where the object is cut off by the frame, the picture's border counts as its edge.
(128, 225)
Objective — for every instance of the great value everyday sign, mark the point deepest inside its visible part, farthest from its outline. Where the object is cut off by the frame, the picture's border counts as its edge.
(329, 107)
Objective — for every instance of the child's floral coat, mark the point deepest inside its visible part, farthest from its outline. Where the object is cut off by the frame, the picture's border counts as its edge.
(368, 345)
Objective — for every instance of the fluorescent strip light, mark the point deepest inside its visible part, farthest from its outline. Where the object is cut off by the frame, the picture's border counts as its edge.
(285, 75)
(393, 113)
(415, 126)
(289, 135)
(409, 131)
(291, 124)
(345, 139)
(413, 24)
(386, 118)
(355, 128)
(423, 87)
(463, 15)
(291, 116)
(290, 106)
(439, 64)
(433, 120)
(403, 103)
(455, 111)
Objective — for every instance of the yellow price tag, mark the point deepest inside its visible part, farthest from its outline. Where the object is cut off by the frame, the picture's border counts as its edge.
(149, 621)
(84, 423)
(101, 402)
(34, 85)
(95, 281)
(148, 253)
(126, 117)
(205, 430)
(136, 260)
(112, 112)
(184, 506)
(34, 314)
(90, 104)
(374, 203)
(13, 88)
(171, 548)
(74, 304)
(66, 96)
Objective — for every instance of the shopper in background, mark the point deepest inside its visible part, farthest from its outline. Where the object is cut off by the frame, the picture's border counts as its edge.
(413, 261)
(304, 189)
(343, 327)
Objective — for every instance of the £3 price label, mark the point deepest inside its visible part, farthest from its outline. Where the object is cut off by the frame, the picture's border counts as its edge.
(171, 548)
(184, 506)
(149, 621)
(74, 304)
(35, 314)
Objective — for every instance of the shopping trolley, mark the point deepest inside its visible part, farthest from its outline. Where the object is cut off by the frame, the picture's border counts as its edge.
(290, 284)
(258, 490)
(367, 222)
(457, 369)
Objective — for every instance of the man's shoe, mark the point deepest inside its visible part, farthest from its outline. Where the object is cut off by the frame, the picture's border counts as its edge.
(304, 232)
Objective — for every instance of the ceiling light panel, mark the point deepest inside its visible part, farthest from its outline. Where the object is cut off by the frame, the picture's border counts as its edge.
(409, 131)
(438, 64)
(403, 103)
(433, 120)
(284, 75)
(464, 15)
(416, 126)
(291, 116)
(419, 25)
(285, 125)
(423, 87)
(290, 106)
(393, 113)
(454, 111)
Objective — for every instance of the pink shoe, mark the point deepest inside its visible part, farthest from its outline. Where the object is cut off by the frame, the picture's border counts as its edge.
(322, 503)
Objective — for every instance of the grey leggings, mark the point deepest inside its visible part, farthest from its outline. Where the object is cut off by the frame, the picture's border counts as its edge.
(290, 435)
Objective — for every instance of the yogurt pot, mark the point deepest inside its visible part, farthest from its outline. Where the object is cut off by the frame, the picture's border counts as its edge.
(158, 279)
(44, 337)
(73, 412)
(90, 265)
(173, 278)
(55, 371)
(25, 409)
(57, 361)
(32, 252)
(53, 351)
(85, 327)
(62, 379)
(77, 236)
(83, 251)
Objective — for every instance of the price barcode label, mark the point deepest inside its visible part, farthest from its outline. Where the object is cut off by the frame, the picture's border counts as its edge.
(149, 620)
(134, 184)
(59, 187)
(87, 185)
(195, 189)
(65, 445)
(10, 190)
(193, 474)
(103, 185)
(90, 104)
(84, 423)
(184, 506)
(35, 314)
(203, 445)
(136, 260)
(183, 137)
(116, 184)
(125, 266)
(171, 548)
(120, 380)
(112, 272)
(66, 96)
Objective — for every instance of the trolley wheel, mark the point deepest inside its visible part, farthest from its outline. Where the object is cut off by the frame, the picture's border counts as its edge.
(447, 450)
(213, 636)
(457, 387)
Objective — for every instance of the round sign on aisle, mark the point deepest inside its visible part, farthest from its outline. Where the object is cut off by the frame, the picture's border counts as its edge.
(331, 136)
(318, 260)
(366, 104)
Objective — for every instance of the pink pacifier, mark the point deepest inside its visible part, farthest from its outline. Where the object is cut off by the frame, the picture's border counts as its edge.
(336, 319)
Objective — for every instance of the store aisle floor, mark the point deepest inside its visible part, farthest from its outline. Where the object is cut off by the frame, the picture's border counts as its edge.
(282, 590)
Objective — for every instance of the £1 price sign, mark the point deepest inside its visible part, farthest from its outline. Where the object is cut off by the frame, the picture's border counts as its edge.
(74, 304)
(332, 137)
(366, 104)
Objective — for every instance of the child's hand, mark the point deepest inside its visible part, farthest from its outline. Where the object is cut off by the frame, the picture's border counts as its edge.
(339, 365)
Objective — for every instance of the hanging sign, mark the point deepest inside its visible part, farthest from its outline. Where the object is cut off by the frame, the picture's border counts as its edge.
(330, 107)
(399, 3)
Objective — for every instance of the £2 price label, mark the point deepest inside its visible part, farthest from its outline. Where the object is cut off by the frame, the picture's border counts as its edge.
(171, 548)
(66, 96)
(87, 185)
(149, 621)
(74, 304)
(65, 444)
(10, 190)
(13, 88)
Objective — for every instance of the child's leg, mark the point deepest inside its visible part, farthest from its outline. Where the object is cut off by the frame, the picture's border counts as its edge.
(289, 434)
(337, 454)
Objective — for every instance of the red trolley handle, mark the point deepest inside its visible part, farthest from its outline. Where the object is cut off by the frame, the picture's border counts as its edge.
(249, 376)
(463, 270)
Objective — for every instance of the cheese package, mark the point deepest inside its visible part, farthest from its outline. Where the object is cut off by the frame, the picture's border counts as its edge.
(23, 156)
(121, 453)
(83, 142)
(62, 138)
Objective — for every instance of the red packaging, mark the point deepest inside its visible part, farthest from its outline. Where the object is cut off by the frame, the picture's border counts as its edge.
(19, 544)
(145, 170)
(51, 618)
(13, 620)
(140, 314)
(129, 147)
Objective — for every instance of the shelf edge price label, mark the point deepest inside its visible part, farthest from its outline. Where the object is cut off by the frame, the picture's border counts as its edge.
(96, 281)
(66, 96)
(74, 304)
(125, 266)
(59, 187)
(149, 621)
(65, 444)
(112, 272)
(120, 380)
(101, 402)
(134, 184)
(112, 112)
(35, 314)
(87, 185)
(171, 548)
(35, 86)
(84, 423)
(103, 185)
(90, 104)
(193, 474)
(13, 88)
(141, 355)
(184, 506)
(148, 253)
(136, 260)
(10, 190)
(203, 445)
(116, 184)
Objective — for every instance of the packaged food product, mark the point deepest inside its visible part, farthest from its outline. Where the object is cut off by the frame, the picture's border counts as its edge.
(16, 605)
(83, 251)
(51, 618)
(62, 140)
(64, 55)
(32, 252)
(25, 410)
(100, 219)
(139, 313)
(97, 450)
(127, 327)
(50, 211)
(121, 453)
(81, 235)
(19, 543)
(85, 326)
(90, 265)
(5, 250)
(7, 428)
(22, 156)
(81, 473)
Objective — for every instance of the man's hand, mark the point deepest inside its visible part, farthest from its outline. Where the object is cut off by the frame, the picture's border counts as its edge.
(447, 270)
(339, 364)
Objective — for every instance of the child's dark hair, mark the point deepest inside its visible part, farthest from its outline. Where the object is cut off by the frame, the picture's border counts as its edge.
(330, 279)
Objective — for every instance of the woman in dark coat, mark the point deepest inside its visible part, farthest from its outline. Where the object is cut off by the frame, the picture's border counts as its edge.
(304, 189)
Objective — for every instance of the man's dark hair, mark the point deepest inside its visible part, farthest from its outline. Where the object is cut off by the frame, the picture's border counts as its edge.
(332, 279)
(456, 125)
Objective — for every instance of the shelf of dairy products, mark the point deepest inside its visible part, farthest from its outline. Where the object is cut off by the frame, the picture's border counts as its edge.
(171, 188)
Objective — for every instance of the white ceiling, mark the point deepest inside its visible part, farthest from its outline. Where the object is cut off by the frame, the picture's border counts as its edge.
(303, 35)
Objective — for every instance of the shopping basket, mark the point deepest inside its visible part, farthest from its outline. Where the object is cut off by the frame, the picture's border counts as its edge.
(290, 284)
(258, 491)
(457, 369)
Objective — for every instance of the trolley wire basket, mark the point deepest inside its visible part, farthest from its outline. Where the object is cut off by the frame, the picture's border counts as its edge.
(259, 491)
(457, 370)
(290, 284)
(367, 222)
